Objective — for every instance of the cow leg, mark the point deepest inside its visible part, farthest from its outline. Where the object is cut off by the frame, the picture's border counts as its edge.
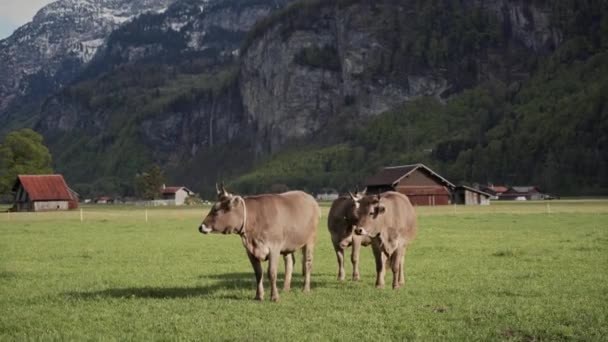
(396, 259)
(354, 258)
(288, 258)
(273, 263)
(307, 262)
(259, 275)
(340, 256)
(402, 267)
(380, 260)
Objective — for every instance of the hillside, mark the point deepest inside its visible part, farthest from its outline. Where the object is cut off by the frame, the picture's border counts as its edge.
(321, 93)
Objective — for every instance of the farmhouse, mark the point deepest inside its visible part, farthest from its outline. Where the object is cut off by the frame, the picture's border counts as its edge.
(43, 193)
(470, 196)
(176, 194)
(422, 185)
(523, 193)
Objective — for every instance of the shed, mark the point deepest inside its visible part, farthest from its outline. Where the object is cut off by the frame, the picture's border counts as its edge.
(470, 196)
(43, 193)
(422, 185)
(178, 194)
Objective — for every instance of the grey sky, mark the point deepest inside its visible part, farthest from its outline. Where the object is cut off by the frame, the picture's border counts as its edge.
(14, 13)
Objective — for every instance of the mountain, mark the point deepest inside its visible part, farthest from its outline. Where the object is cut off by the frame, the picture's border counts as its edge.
(50, 51)
(320, 93)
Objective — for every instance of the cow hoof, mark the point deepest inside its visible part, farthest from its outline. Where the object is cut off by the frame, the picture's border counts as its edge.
(274, 299)
(287, 289)
(260, 298)
(357, 278)
(379, 286)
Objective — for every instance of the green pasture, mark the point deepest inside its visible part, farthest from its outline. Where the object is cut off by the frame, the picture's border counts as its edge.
(508, 271)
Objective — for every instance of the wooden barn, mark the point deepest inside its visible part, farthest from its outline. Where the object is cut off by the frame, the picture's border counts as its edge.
(470, 196)
(177, 194)
(43, 193)
(422, 185)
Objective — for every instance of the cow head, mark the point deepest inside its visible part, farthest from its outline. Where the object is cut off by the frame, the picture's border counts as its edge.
(351, 215)
(368, 210)
(226, 216)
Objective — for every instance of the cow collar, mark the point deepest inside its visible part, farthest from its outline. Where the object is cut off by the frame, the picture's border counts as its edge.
(242, 230)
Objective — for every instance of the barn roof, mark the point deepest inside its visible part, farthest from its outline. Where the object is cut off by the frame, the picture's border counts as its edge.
(174, 189)
(524, 189)
(44, 187)
(498, 188)
(393, 174)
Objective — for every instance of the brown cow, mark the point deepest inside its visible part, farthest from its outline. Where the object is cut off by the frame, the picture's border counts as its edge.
(269, 225)
(340, 222)
(389, 220)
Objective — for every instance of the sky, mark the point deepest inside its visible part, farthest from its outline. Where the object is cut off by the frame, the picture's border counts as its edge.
(14, 13)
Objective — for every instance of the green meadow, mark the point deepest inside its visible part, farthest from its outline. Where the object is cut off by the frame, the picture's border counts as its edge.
(516, 271)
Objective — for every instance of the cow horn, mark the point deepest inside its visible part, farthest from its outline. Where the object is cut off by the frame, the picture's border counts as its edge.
(355, 196)
(223, 189)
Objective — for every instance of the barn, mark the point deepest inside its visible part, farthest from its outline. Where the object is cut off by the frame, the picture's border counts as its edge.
(176, 194)
(422, 185)
(470, 196)
(43, 193)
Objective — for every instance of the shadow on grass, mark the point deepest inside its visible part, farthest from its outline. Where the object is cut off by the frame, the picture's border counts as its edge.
(225, 285)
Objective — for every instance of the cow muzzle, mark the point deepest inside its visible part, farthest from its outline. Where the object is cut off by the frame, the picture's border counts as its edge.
(204, 229)
(361, 231)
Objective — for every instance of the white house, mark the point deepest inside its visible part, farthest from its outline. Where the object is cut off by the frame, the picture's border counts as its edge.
(177, 194)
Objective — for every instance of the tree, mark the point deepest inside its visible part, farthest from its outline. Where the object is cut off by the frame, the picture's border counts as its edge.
(148, 183)
(22, 152)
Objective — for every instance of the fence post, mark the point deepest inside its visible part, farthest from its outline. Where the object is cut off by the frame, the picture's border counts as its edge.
(81, 215)
(548, 209)
(146, 215)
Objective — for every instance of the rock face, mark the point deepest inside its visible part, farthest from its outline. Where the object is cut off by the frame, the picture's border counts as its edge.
(48, 52)
(288, 99)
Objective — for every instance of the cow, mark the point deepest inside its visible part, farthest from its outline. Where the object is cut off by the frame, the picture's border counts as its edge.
(269, 225)
(389, 220)
(340, 222)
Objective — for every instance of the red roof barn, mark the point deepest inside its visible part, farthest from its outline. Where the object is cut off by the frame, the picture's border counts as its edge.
(43, 193)
(422, 185)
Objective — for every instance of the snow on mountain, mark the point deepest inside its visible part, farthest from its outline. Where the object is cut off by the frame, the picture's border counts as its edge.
(47, 52)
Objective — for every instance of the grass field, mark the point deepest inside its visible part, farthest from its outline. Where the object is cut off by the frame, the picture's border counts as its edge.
(517, 271)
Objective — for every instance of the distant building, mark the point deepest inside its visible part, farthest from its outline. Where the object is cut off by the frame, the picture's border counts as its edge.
(43, 193)
(523, 193)
(104, 200)
(422, 185)
(328, 195)
(176, 194)
(470, 196)
(494, 190)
